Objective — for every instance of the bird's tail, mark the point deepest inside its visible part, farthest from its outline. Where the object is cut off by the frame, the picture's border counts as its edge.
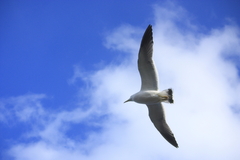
(169, 94)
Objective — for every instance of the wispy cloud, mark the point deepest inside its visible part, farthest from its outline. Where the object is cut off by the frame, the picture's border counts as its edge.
(21, 108)
(124, 38)
(195, 64)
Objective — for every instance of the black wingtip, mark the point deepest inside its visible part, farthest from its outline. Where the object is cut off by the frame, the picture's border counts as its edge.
(149, 26)
(171, 139)
(147, 39)
(175, 144)
(149, 29)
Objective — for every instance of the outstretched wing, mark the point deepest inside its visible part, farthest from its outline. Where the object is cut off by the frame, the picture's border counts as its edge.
(156, 114)
(145, 63)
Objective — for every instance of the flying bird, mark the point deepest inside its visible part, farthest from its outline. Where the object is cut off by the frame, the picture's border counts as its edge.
(149, 93)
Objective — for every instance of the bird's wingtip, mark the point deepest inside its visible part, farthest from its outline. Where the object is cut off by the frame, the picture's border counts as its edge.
(176, 145)
(149, 26)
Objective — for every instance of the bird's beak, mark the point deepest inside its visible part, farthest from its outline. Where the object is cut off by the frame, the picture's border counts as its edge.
(127, 100)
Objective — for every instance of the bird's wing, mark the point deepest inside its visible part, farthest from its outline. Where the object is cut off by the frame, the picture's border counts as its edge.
(145, 63)
(156, 114)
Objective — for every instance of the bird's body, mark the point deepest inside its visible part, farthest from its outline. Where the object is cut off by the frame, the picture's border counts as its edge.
(149, 93)
(150, 97)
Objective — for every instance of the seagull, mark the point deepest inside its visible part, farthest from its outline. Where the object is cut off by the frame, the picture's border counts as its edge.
(149, 93)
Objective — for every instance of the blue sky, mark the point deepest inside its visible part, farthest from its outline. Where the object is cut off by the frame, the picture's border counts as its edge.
(67, 66)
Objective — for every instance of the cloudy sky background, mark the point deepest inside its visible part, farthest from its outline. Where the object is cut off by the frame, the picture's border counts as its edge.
(67, 67)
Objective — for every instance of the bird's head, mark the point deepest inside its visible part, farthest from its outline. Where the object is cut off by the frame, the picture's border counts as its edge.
(130, 99)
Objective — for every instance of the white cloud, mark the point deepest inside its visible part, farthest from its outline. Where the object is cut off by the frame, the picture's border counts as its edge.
(124, 39)
(194, 64)
(25, 108)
